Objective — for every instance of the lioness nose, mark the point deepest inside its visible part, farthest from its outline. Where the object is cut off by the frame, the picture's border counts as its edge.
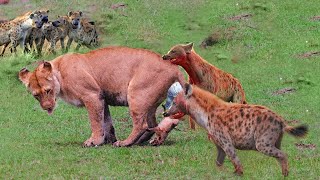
(46, 105)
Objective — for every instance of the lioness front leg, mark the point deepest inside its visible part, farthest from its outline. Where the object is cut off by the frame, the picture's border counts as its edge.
(95, 108)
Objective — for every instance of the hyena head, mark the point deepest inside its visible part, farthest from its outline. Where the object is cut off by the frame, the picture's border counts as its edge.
(44, 15)
(178, 54)
(42, 84)
(180, 103)
(61, 21)
(74, 18)
(40, 17)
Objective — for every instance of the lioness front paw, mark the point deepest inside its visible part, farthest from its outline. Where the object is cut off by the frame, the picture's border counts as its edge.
(92, 142)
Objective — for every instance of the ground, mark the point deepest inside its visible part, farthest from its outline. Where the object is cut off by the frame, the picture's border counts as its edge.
(264, 53)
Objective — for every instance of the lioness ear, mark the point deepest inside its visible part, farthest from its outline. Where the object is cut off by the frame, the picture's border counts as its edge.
(188, 48)
(187, 90)
(47, 66)
(24, 76)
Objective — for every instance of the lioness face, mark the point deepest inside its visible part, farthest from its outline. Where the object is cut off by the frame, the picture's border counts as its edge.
(42, 85)
(178, 54)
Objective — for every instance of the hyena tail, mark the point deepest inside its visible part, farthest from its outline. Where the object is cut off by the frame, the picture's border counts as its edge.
(299, 131)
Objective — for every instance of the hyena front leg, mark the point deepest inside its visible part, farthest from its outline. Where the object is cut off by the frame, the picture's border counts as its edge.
(221, 156)
(225, 144)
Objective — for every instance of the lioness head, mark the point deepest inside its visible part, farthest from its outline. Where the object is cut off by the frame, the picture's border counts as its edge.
(178, 54)
(42, 84)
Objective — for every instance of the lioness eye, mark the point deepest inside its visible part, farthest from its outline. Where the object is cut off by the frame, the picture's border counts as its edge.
(37, 96)
(173, 51)
(48, 91)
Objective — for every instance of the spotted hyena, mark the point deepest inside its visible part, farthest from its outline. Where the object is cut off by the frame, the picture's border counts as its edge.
(15, 31)
(87, 34)
(233, 126)
(205, 75)
(35, 34)
(74, 19)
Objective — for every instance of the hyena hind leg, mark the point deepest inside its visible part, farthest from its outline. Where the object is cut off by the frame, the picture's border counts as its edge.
(271, 150)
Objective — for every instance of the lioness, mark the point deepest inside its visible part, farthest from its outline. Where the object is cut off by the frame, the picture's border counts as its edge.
(116, 76)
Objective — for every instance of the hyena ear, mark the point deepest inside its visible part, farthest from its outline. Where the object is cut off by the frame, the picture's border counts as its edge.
(91, 22)
(31, 16)
(80, 13)
(24, 76)
(187, 90)
(188, 48)
(70, 13)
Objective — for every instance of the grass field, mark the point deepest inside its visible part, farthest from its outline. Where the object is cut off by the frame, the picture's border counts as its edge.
(264, 51)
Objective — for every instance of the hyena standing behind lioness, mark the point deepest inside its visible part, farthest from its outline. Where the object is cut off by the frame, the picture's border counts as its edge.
(233, 126)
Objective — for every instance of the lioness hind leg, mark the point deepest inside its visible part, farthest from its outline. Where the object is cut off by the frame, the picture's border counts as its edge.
(151, 123)
(138, 129)
(110, 136)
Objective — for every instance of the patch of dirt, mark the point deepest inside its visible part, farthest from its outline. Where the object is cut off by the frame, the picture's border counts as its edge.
(118, 5)
(302, 146)
(309, 54)
(315, 18)
(240, 17)
(218, 36)
(287, 90)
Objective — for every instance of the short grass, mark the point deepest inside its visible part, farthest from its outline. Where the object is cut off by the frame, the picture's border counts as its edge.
(262, 54)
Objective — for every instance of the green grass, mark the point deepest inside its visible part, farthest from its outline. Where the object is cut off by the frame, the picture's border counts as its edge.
(34, 145)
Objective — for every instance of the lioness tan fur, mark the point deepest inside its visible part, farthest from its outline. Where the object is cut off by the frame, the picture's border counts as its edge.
(116, 76)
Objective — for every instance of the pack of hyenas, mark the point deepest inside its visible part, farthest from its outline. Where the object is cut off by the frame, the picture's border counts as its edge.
(215, 100)
(33, 28)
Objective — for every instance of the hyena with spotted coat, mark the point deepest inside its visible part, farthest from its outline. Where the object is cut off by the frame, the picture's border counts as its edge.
(205, 75)
(233, 126)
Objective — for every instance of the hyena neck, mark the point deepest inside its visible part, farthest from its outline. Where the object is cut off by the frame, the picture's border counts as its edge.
(201, 104)
(196, 68)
